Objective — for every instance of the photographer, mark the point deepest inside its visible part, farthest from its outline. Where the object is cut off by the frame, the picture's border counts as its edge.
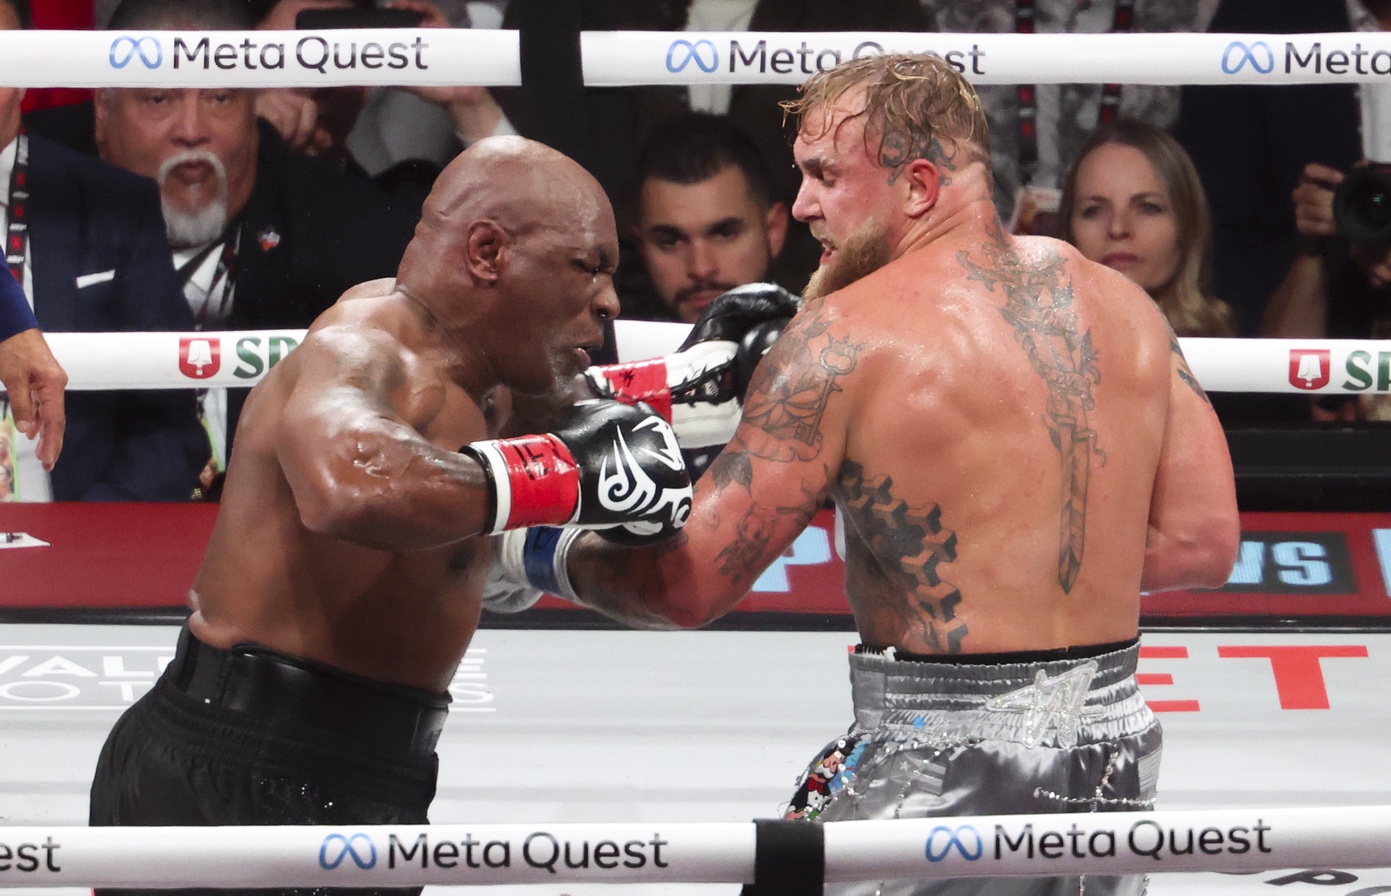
(1339, 284)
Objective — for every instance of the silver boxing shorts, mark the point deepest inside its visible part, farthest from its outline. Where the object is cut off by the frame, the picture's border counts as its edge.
(936, 737)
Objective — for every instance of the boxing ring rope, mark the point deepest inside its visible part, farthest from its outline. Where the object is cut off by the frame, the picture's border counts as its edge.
(439, 57)
(1220, 840)
(1212, 840)
(241, 358)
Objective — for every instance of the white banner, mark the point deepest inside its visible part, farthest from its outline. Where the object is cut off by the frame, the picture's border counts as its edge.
(363, 856)
(441, 56)
(1232, 840)
(420, 56)
(241, 358)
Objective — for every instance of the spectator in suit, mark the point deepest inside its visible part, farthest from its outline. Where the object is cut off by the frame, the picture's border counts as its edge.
(86, 242)
(262, 236)
(706, 217)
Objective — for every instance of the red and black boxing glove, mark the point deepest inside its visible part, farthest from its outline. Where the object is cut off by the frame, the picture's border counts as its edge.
(701, 388)
(605, 465)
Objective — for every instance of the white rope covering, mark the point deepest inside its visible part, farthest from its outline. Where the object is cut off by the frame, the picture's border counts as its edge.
(241, 358)
(441, 56)
(1212, 840)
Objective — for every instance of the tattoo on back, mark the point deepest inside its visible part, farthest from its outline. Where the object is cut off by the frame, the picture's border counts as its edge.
(909, 544)
(1038, 305)
(791, 408)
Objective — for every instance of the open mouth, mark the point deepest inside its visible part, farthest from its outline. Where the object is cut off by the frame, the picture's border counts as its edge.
(192, 172)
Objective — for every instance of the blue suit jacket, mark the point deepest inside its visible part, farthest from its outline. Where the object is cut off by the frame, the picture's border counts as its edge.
(91, 220)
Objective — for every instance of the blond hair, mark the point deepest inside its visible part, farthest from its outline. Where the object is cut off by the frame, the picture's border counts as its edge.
(911, 102)
(1187, 299)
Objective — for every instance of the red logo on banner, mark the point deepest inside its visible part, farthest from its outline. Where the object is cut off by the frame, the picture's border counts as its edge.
(199, 356)
(1309, 367)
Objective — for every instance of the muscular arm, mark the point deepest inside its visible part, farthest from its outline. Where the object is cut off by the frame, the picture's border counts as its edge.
(755, 499)
(350, 446)
(1194, 529)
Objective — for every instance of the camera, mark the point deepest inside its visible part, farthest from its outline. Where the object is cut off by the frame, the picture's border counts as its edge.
(1362, 204)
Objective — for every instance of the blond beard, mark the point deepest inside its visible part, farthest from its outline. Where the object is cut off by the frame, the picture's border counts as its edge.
(866, 251)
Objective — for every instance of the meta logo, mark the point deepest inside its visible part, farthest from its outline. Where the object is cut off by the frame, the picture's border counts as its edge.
(1258, 54)
(1312, 57)
(803, 58)
(358, 847)
(682, 53)
(965, 840)
(145, 48)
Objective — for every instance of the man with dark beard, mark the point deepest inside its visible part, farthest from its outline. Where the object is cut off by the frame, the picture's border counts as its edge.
(1016, 448)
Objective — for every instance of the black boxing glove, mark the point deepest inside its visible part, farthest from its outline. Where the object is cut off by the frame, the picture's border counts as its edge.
(606, 464)
(701, 388)
(736, 312)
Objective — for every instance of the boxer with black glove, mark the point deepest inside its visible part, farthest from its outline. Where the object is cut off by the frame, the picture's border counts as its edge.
(701, 387)
(605, 465)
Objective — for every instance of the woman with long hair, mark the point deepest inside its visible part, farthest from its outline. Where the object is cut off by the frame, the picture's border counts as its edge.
(1133, 202)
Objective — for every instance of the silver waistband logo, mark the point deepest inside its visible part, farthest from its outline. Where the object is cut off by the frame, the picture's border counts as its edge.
(1058, 703)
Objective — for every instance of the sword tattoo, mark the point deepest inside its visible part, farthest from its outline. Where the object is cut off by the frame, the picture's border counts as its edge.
(1038, 305)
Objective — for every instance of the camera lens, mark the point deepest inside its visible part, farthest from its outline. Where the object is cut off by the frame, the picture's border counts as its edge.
(1362, 205)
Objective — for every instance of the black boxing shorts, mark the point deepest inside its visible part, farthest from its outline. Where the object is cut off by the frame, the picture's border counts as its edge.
(250, 736)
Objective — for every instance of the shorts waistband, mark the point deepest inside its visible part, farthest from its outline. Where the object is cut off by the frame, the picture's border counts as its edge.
(277, 687)
(948, 685)
(1095, 694)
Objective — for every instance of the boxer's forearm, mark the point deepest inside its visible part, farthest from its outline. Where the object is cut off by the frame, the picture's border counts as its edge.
(641, 587)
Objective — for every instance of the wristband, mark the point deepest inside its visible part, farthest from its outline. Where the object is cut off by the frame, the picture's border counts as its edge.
(644, 381)
(15, 314)
(533, 481)
(540, 556)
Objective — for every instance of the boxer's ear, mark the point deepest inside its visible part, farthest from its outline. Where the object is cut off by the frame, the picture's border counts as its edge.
(483, 250)
(921, 184)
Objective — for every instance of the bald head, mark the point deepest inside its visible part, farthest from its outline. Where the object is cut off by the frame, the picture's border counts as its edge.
(516, 182)
(517, 185)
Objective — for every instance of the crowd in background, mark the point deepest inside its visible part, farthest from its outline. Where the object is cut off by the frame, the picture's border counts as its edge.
(257, 209)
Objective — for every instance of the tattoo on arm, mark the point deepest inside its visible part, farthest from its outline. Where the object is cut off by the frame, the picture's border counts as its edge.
(788, 404)
(1185, 373)
(909, 545)
(755, 528)
(1038, 305)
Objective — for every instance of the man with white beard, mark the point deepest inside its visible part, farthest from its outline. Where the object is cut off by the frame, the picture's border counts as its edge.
(263, 237)
(84, 245)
